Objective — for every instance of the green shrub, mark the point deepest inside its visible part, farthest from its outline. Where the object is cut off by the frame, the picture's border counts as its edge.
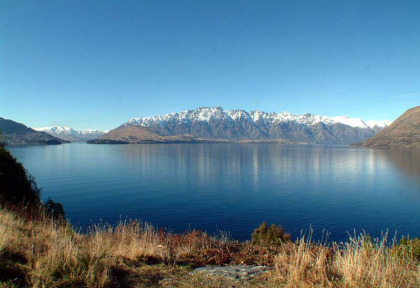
(19, 190)
(409, 247)
(55, 209)
(17, 187)
(266, 235)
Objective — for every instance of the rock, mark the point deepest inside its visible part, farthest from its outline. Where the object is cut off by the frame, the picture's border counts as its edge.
(234, 272)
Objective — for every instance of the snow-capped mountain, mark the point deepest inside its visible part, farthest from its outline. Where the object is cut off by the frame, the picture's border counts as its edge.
(18, 133)
(71, 134)
(378, 125)
(212, 123)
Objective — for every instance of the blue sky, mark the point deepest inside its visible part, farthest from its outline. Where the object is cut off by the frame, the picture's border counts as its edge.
(95, 64)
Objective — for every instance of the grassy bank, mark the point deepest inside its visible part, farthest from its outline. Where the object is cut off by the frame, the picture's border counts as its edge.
(46, 253)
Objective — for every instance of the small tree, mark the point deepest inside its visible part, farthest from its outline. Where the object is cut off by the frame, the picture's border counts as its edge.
(266, 235)
(55, 209)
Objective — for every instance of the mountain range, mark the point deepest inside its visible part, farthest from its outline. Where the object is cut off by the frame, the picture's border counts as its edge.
(206, 124)
(16, 133)
(402, 133)
(71, 134)
(239, 125)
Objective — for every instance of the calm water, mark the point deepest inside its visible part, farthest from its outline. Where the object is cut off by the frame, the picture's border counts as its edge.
(233, 187)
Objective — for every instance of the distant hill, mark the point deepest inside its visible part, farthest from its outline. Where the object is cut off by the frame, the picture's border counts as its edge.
(217, 124)
(403, 132)
(71, 134)
(129, 134)
(17, 133)
(138, 134)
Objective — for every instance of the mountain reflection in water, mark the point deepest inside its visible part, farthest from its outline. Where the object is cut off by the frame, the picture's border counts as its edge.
(406, 161)
(233, 187)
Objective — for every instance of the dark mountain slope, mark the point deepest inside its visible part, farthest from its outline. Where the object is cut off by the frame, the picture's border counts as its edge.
(17, 133)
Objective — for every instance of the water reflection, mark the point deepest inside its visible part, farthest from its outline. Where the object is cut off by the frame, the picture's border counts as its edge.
(236, 165)
(233, 187)
(406, 161)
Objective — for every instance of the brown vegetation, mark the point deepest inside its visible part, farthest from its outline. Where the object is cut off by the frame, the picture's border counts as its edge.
(402, 133)
(50, 253)
(132, 134)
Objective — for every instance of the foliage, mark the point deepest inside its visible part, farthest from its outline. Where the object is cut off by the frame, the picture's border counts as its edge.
(19, 190)
(17, 187)
(55, 209)
(266, 235)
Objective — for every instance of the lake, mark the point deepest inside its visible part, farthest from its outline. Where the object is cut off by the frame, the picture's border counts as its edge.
(233, 187)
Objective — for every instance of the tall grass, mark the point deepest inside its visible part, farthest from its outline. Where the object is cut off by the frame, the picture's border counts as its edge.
(376, 264)
(359, 262)
(49, 253)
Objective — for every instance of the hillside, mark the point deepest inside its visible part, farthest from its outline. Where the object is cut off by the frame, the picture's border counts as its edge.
(133, 134)
(402, 133)
(17, 187)
(17, 133)
(19, 191)
(238, 125)
(138, 134)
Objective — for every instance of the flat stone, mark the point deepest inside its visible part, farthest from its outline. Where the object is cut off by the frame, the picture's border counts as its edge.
(238, 272)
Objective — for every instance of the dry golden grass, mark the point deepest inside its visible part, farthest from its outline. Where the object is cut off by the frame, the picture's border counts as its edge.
(133, 254)
(357, 263)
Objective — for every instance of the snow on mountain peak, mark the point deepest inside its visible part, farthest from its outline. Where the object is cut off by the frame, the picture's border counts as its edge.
(56, 130)
(352, 122)
(380, 124)
(71, 134)
(205, 114)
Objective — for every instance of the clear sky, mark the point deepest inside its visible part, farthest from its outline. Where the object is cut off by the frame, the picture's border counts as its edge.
(95, 64)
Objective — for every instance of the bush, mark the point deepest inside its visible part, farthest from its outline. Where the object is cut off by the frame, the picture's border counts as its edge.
(55, 209)
(266, 235)
(17, 187)
(409, 247)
